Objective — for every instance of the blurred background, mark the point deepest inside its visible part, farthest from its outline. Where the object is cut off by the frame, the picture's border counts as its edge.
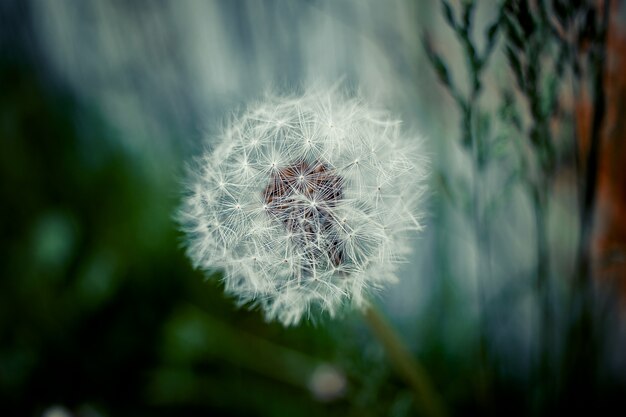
(513, 300)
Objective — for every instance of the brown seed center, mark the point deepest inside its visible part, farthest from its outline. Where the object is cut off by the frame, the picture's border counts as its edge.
(301, 196)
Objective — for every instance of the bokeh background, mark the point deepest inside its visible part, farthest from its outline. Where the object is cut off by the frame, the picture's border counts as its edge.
(101, 314)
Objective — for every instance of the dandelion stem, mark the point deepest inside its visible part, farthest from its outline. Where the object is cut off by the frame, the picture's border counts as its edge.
(405, 364)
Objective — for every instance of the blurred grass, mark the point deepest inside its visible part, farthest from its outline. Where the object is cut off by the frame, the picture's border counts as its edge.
(99, 307)
(101, 311)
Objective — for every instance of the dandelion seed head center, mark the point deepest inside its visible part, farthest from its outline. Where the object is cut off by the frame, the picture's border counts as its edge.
(302, 196)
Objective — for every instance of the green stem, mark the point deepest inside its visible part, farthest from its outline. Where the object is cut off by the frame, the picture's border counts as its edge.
(405, 364)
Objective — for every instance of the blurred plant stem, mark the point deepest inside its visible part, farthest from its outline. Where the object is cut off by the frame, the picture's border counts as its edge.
(597, 61)
(405, 364)
(585, 314)
(474, 139)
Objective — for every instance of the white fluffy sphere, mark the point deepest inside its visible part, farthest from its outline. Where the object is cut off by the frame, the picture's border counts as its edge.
(305, 203)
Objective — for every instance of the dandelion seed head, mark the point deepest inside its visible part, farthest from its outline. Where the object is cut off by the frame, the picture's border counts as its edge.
(305, 203)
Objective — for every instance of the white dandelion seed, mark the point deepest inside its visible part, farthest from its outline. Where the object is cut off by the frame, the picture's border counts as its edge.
(306, 203)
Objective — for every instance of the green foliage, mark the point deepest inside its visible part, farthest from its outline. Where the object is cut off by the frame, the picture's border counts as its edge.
(100, 310)
(520, 142)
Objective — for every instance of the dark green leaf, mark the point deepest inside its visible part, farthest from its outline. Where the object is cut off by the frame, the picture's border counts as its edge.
(468, 11)
(516, 67)
(513, 33)
(438, 63)
(448, 14)
(492, 31)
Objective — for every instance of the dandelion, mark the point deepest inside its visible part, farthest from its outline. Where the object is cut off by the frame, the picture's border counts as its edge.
(305, 204)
